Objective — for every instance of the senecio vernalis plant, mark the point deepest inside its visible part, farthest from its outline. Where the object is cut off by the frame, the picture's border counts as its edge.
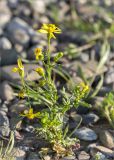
(51, 116)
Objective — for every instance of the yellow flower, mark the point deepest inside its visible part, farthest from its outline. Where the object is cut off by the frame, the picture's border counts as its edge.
(84, 86)
(38, 54)
(21, 94)
(20, 68)
(30, 115)
(40, 71)
(50, 29)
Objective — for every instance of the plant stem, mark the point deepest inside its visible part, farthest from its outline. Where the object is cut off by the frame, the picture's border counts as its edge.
(48, 58)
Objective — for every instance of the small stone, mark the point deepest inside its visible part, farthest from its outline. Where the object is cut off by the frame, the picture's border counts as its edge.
(6, 74)
(18, 31)
(69, 158)
(106, 139)
(5, 14)
(94, 148)
(5, 43)
(84, 57)
(47, 157)
(74, 120)
(4, 107)
(13, 3)
(33, 156)
(100, 156)
(6, 91)
(109, 77)
(83, 156)
(4, 121)
(19, 154)
(38, 6)
(90, 118)
(4, 131)
(86, 134)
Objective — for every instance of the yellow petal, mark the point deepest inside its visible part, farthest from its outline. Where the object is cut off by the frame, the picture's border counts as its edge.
(42, 31)
(19, 62)
(15, 69)
(31, 111)
(52, 35)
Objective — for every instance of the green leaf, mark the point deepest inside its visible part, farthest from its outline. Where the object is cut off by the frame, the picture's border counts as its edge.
(105, 51)
(98, 87)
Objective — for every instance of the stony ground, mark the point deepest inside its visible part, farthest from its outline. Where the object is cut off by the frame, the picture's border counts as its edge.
(19, 20)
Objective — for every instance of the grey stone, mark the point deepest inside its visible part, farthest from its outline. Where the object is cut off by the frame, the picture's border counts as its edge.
(100, 156)
(6, 74)
(84, 57)
(106, 139)
(4, 130)
(90, 118)
(86, 134)
(13, 3)
(5, 43)
(19, 154)
(83, 156)
(33, 156)
(4, 108)
(38, 6)
(109, 77)
(6, 91)
(8, 56)
(69, 158)
(94, 148)
(5, 14)
(19, 31)
(4, 121)
(75, 119)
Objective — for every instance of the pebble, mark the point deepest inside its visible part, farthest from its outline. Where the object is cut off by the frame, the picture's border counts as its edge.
(6, 91)
(5, 14)
(38, 6)
(6, 74)
(85, 134)
(4, 121)
(74, 120)
(4, 131)
(106, 139)
(100, 156)
(69, 158)
(18, 32)
(13, 3)
(83, 156)
(90, 118)
(33, 156)
(19, 154)
(5, 44)
(3, 107)
(94, 148)
(109, 77)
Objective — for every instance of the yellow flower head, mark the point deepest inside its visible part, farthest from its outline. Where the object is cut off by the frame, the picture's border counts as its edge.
(21, 94)
(50, 29)
(38, 54)
(40, 71)
(84, 86)
(20, 68)
(30, 115)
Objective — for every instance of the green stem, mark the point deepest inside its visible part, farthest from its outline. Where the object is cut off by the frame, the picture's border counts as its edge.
(48, 58)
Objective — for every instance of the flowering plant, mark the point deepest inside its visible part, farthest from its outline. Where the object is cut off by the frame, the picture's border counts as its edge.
(51, 117)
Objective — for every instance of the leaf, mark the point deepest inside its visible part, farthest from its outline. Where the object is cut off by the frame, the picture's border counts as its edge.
(105, 51)
(82, 75)
(98, 87)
